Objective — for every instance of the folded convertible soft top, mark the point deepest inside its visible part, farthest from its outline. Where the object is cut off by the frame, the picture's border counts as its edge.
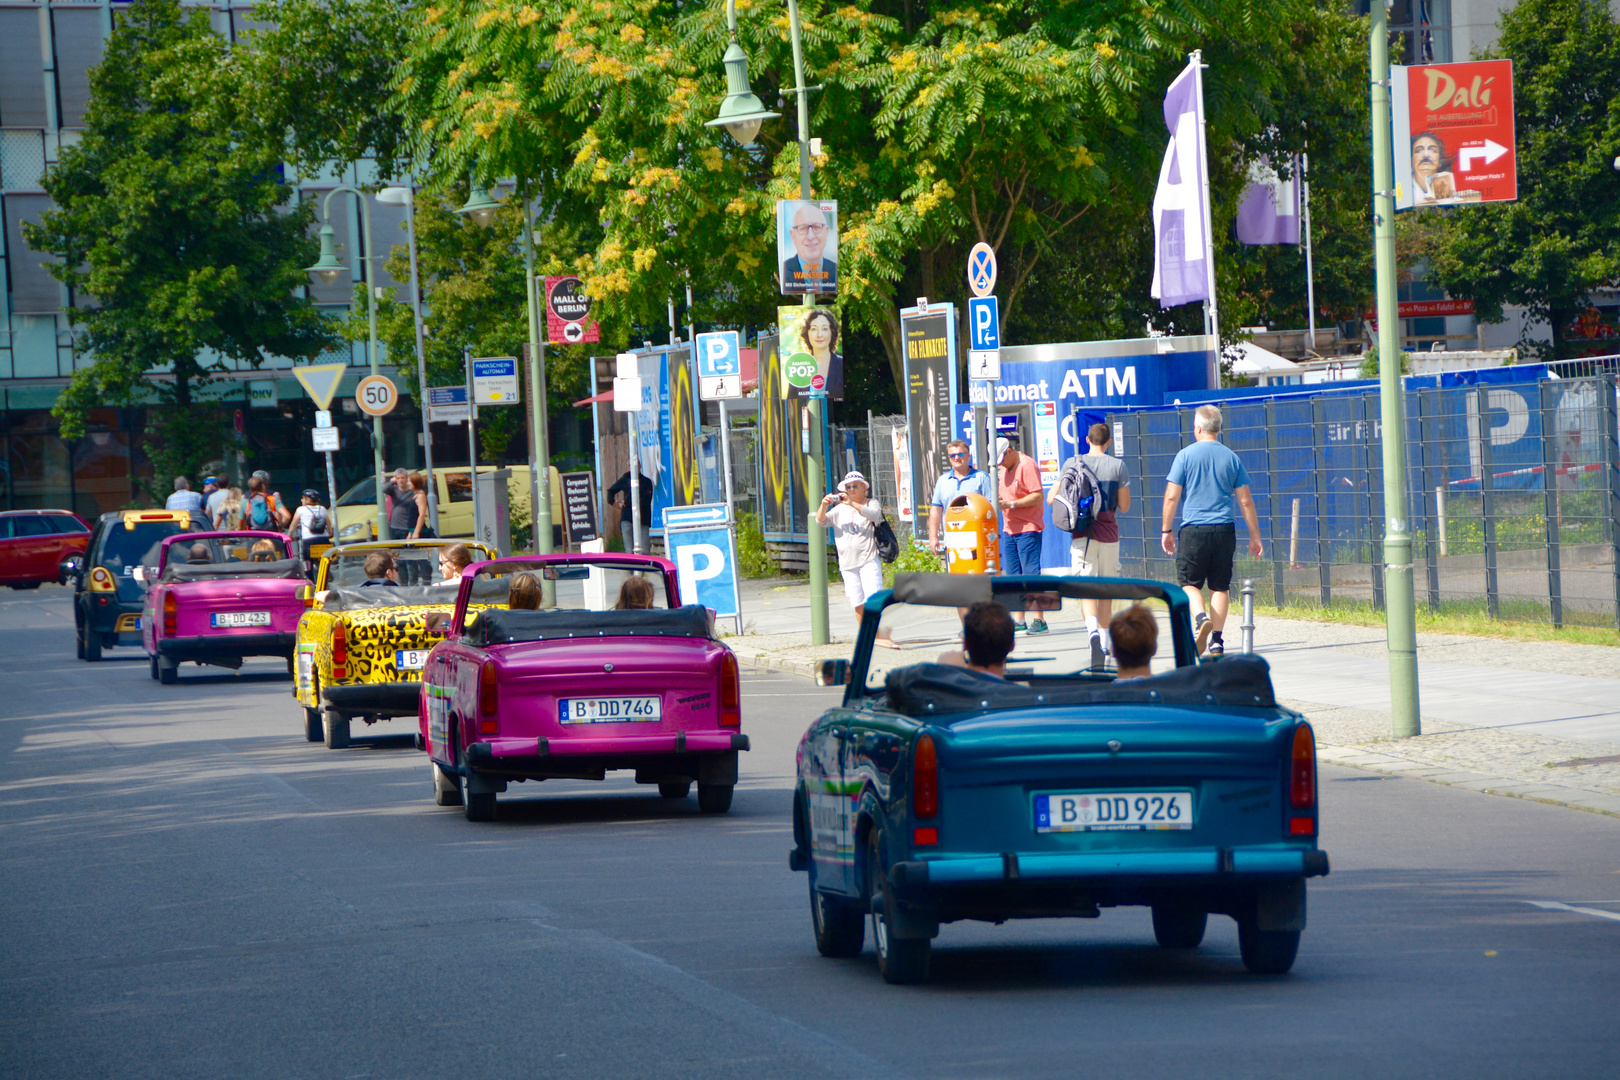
(936, 689)
(278, 568)
(499, 626)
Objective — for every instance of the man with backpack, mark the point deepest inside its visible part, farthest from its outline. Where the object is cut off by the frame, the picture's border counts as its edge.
(259, 508)
(280, 515)
(1093, 487)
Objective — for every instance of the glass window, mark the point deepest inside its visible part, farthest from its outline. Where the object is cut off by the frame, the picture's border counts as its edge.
(5, 528)
(123, 549)
(66, 523)
(228, 549)
(597, 587)
(459, 484)
(32, 525)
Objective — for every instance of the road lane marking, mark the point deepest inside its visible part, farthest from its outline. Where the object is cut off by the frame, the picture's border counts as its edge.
(1554, 905)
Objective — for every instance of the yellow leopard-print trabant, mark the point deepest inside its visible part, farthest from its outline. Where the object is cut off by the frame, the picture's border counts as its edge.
(359, 651)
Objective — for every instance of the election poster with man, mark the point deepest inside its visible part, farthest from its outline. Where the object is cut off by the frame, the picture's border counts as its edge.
(807, 246)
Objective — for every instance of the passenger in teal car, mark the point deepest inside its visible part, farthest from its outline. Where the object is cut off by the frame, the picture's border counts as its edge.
(1135, 634)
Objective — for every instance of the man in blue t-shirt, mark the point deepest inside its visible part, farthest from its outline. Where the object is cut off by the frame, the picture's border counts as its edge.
(1216, 484)
(960, 479)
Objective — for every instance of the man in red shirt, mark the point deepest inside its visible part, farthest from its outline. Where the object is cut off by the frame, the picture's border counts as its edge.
(1023, 516)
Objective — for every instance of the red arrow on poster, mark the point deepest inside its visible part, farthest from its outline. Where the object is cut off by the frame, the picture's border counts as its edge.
(1454, 134)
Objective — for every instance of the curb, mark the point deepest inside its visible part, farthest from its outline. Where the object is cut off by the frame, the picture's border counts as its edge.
(760, 660)
(1595, 802)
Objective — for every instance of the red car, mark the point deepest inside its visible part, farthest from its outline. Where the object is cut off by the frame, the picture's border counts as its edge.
(34, 545)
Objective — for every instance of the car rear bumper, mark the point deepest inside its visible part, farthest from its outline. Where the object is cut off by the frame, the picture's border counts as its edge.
(115, 616)
(704, 756)
(374, 699)
(916, 880)
(227, 646)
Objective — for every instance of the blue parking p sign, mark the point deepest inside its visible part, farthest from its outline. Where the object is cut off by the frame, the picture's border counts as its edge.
(718, 354)
(984, 323)
(701, 545)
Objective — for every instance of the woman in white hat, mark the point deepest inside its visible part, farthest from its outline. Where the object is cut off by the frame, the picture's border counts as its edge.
(854, 518)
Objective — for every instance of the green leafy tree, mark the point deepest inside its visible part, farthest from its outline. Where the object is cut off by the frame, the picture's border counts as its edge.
(1561, 240)
(173, 229)
(945, 124)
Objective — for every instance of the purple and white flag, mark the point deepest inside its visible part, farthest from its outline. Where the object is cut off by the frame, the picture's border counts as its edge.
(1182, 257)
(1269, 213)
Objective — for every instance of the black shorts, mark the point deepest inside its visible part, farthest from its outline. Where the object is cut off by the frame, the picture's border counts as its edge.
(1204, 554)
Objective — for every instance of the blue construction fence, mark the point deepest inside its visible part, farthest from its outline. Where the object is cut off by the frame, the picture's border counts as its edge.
(1513, 486)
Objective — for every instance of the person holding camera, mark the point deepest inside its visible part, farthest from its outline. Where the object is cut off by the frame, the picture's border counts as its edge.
(853, 518)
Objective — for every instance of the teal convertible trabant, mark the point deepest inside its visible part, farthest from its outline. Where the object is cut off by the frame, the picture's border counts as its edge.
(936, 793)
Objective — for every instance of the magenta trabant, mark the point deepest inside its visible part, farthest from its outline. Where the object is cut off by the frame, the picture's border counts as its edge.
(592, 666)
(216, 597)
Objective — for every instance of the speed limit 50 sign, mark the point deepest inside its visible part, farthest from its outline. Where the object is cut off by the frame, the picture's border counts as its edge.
(376, 395)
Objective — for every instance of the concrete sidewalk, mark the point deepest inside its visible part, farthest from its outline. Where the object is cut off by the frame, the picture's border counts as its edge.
(1537, 720)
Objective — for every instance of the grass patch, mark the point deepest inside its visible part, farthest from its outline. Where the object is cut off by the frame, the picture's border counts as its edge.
(1475, 624)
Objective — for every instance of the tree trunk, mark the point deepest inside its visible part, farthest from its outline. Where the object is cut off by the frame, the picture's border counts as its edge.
(889, 334)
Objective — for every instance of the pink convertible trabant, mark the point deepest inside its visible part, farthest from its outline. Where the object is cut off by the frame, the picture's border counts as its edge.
(215, 597)
(592, 666)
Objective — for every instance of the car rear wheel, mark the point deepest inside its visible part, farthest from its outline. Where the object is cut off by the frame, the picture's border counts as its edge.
(78, 639)
(92, 645)
(1179, 928)
(1267, 952)
(154, 667)
(168, 671)
(26, 585)
(337, 730)
(674, 789)
(314, 729)
(478, 805)
(901, 961)
(840, 926)
(446, 788)
(714, 798)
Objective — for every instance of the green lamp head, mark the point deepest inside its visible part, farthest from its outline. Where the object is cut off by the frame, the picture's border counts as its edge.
(328, 267)
(479, 206)
(741, 112)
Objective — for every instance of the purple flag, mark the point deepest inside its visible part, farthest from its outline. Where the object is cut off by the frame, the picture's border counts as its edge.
(1270, 210)
(1181, 248)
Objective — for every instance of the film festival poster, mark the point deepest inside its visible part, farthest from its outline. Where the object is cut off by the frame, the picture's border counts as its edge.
(930, 370)
(811, 359)
(807, 246)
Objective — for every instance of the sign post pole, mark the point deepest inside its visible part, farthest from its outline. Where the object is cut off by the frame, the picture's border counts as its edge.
(1400, 606)
(472, 446)
(984, 362)
(320, 382)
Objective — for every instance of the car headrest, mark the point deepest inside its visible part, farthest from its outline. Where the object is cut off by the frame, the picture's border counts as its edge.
(1240, 681)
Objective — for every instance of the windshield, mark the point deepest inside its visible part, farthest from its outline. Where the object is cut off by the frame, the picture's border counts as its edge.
(916, 633)
(362, 494)
(226, 549)
(417, 565)
(123, 549)
(605, 587)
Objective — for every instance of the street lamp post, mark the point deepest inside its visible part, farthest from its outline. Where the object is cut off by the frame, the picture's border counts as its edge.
(741, 114)
(481, 209)
(327, 269)
(397, 196)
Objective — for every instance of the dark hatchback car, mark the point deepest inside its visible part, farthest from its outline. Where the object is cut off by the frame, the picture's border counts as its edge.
(35, 546)
(107, 597)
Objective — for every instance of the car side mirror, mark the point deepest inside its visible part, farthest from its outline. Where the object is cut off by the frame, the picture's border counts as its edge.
(833, 673)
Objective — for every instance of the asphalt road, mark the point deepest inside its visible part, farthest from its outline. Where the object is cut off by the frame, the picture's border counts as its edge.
(191, 890)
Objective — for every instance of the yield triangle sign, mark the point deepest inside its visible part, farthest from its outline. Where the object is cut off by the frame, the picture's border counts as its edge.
(321, 381)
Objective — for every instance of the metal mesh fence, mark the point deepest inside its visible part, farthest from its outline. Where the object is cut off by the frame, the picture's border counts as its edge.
(1514, 492)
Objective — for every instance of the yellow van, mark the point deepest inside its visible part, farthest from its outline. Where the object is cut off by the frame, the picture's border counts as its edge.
(356, 515)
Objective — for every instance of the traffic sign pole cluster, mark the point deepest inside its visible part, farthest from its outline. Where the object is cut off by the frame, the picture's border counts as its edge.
(720, 379)
(984, 351)
(320, 382)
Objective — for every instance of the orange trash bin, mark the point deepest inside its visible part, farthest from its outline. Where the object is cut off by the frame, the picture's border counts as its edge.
(972, 536)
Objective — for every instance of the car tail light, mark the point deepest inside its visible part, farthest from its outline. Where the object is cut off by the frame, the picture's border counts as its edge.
(171, 611)
(101, 580)
(340, 652)
(922, 837)
(730, 692)
(1302, 770)
(925, 779)
(488, 698)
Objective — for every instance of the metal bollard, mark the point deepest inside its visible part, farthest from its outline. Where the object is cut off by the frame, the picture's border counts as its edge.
(1247, 626)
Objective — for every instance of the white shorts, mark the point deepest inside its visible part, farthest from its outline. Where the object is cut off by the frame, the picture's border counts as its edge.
(1093, 558)
(863, 581)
